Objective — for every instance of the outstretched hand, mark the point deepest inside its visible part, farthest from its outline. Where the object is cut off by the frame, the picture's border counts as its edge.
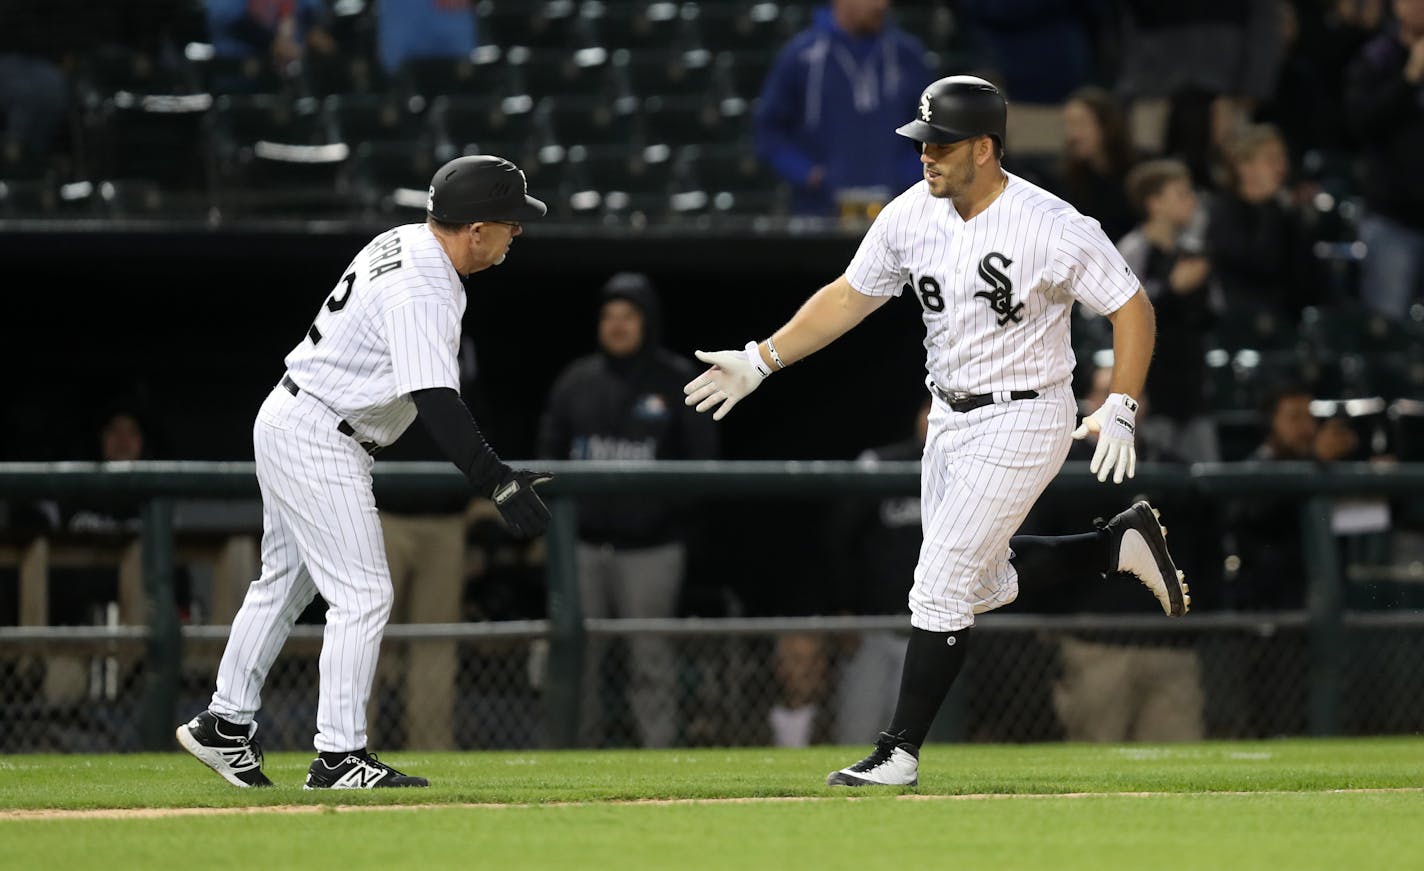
(1115, 425)
(732, 376)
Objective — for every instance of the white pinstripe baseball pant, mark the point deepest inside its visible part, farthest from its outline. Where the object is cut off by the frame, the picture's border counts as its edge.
(320, 533)
(982, 471)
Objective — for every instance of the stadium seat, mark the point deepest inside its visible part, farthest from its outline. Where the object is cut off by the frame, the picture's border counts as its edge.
(278, 156)
(391, 177)
(659, 26)
(548, 24)
(113, 69)
(732, 168)
(157, 137)
(431, 77)
(28, 198)
(1406, 418)
(234, 75)
(670, 74)
(744, 26)
(242, 120)
(746, 71)
(627, 183)
(552, 73)
(736, 181)
(469, 125)
(343, 74)
(361, 118)
(1349, 328)
(591, 123)
(142, 198)
(931, 23)
(23, 164)
(688, 121)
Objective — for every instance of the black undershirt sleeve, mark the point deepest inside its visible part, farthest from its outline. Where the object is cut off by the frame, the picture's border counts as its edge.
(454, 429)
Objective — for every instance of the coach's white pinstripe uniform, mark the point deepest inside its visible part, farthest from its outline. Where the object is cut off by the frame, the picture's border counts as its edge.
(996, 292)
(391, 326)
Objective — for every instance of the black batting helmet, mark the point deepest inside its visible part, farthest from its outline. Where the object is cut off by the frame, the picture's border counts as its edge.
(958, 107)
(481, 188)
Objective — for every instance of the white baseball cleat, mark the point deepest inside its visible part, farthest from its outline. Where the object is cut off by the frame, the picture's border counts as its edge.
(893, 763)
(236, 757)
(1137, 545)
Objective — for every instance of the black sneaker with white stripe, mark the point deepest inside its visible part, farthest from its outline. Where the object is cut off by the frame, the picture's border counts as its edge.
(357, 770)
(1137, 546)
(226, 748)
(893, 762)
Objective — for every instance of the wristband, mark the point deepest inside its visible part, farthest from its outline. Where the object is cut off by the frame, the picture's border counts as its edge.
(775, 357)
(754, 357)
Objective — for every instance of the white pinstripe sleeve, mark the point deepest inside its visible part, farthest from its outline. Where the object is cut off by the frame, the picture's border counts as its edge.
(423, 336)
(1091, 268)
(875, 269)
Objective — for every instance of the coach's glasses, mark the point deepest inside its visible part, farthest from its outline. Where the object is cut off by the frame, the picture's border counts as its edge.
(516, 225)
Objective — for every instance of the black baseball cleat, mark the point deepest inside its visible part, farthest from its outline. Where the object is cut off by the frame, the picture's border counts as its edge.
(227, 748)
(1137, 545)
(357, 770)
(893, 762)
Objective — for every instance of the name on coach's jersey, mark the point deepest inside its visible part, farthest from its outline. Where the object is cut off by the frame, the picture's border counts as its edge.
(1001, 296)
(385, 255)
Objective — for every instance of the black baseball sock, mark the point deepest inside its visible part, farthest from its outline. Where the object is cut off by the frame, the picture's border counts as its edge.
(932, 662)
(331, 758)
(1044, 562)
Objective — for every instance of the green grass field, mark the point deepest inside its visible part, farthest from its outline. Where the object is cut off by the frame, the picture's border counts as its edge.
(1280, 804)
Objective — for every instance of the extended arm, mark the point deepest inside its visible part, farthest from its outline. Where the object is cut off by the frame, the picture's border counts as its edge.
(829, 314)
(454, 430)
(1134, 336)
(1115, 424)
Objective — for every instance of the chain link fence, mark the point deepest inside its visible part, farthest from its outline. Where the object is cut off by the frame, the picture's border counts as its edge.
(748, 682)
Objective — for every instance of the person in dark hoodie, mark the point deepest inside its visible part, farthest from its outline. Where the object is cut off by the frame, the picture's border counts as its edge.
(831, 103)
(624, 403)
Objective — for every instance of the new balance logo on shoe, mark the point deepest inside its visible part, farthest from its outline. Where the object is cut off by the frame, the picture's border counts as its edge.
(240, 758)
(233, 754)
(357, 770)
(360, 776)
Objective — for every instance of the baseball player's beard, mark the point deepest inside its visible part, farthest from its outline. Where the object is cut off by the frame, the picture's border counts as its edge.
(954, 182)
(500, 259)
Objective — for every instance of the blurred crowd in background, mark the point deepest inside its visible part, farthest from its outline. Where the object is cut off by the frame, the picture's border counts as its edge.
(1259, 162)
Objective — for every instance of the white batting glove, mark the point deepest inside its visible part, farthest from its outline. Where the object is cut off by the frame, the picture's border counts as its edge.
(1115, 425)
(733, 375)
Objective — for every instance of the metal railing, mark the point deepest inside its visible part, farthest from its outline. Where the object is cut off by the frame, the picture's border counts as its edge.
(159, 484)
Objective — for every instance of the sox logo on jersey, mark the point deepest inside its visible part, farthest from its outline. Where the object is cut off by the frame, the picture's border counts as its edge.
(984, 469)
(1001, 298)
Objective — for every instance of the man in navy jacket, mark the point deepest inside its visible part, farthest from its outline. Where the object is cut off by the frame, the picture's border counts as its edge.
(831, 104)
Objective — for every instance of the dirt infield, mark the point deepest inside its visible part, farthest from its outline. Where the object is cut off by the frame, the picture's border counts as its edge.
(165, 813)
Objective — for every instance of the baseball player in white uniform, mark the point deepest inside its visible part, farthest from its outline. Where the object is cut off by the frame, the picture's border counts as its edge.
(996, 264)
(381, 351)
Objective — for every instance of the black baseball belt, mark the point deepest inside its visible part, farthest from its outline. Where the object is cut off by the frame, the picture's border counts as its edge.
(343, 427)
(962, 402)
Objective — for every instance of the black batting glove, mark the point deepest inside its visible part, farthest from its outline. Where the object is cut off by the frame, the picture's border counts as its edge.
(523, 511)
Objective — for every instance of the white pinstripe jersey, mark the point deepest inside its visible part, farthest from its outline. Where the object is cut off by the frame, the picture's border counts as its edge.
(391, 326)
(996, 291)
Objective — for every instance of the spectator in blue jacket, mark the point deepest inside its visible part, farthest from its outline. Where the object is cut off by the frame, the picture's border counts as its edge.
(408, 29)
(828, 112)
(283, 29)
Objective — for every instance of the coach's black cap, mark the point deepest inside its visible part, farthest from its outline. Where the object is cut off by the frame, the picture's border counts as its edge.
(481, 188)
(958, 107)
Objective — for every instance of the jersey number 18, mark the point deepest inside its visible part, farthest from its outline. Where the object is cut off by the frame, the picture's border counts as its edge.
(928, 289)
